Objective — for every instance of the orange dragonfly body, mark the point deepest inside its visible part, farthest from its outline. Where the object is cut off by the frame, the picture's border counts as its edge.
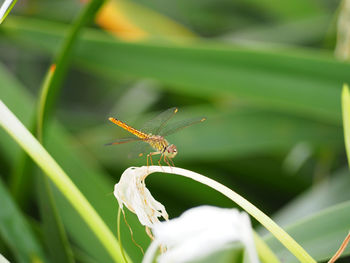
(157, 141)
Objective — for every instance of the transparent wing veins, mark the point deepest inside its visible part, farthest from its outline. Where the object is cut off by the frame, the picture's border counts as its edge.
(178, 126)
(124, 140)
(156, 124)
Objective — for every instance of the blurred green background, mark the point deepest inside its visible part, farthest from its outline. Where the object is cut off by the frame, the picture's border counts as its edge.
(263, 72)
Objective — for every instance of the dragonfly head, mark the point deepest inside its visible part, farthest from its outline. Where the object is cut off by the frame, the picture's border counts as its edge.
(171, 151)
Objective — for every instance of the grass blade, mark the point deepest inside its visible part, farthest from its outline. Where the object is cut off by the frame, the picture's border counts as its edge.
(51, 87)
(265, 253)
(15, 230)
(320, 233)
(55, 234)
(76, 163)
(284, 80)
(346, 118)
(5, 9)
(23, 137)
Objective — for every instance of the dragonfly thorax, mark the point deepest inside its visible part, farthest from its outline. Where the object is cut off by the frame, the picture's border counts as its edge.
(160, 144)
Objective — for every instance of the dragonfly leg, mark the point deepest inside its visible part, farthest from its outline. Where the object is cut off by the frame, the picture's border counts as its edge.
(172, 162)
(160, 159)
(166, 160)
(150, 156)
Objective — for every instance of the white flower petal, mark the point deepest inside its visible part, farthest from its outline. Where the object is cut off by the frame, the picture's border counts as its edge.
(201, 231)
(3, 259)
(131, 191)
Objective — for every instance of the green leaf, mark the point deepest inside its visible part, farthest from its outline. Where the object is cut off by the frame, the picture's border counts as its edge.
(290, 10)
(297, 31)
(329, 192)
(15, 231)
(86, 174)
(284, 79)
(5, 8)
(54, 231)
(154, 23)
(20, 186)
(52, 84)
(310, 205)
(24, 138)
(55, 236)
(346, 118)
(320, 234)
(265, 253)
(213, 17)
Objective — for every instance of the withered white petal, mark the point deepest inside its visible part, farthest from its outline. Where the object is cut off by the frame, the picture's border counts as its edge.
(131, 191)
(201, 231)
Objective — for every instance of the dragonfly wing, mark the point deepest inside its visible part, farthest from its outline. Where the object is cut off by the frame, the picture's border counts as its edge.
(141, 149)
(177, 126)
(124, 140)
(156, 124)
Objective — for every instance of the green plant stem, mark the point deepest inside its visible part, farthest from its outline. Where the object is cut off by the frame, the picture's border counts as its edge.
(8, 10)
(59, 246)
(267, 222)
(119, 236)
(264, 251)
(34, 149)
(54, 231)
(51, 85)
(345, 97)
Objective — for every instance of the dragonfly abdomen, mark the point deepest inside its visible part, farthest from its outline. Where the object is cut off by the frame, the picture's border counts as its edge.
(130, 129)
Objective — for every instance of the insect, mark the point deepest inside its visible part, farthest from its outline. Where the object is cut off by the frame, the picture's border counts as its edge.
(153, 133)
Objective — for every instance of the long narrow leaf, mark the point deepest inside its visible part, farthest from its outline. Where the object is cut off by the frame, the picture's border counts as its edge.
(50, 89)
(15, 230)
(16, 129)
(325, 194)
(53, 229)
(321, 234)
(279, 79)
(5, 8)
(76, 163)
(55, 234)
(346, 118)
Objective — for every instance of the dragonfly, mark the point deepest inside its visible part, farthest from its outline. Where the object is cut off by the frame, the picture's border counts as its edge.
(153, 133)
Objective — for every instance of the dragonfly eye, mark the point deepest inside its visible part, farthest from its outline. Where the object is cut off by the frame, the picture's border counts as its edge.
(172, 150)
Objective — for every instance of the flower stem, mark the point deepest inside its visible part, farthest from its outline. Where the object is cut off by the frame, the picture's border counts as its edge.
(119, 236)
(267, 222)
